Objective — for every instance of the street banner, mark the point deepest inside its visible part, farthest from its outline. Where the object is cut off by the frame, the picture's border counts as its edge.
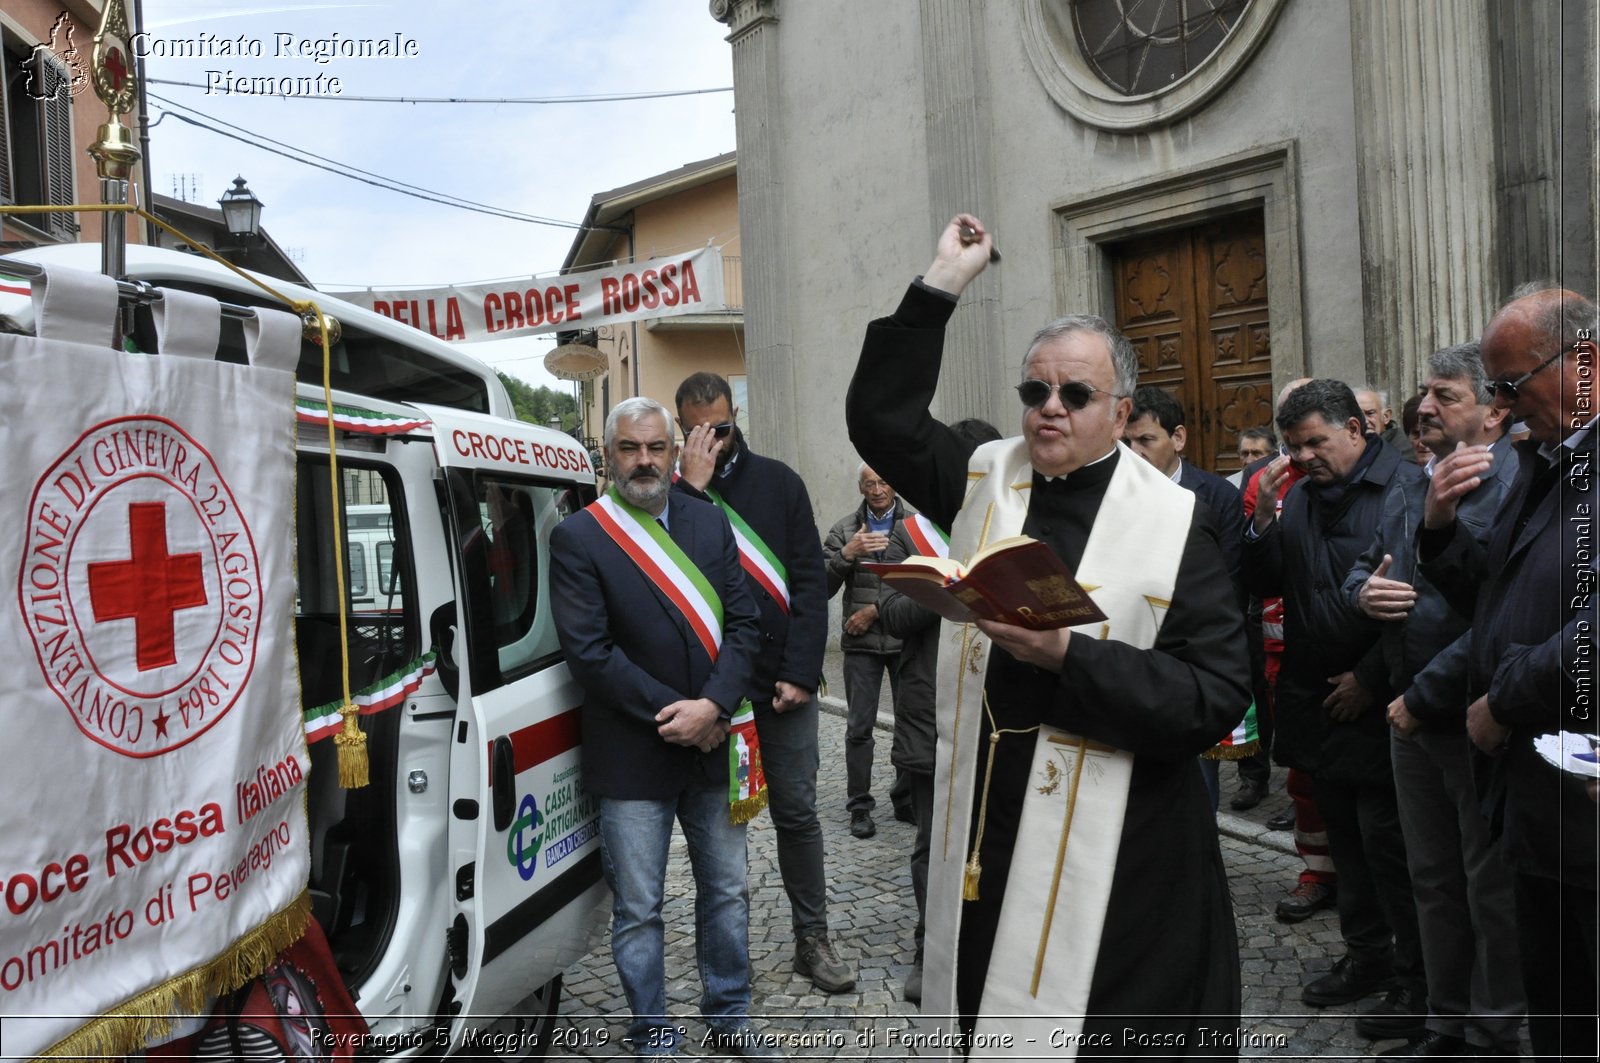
(153, 845)
(660, 287)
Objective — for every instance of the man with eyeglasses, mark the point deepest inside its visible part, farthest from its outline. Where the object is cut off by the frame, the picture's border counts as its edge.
(771, 513)
(1076, 891)
(1531, 591)
(870, 652)
(1463, 891)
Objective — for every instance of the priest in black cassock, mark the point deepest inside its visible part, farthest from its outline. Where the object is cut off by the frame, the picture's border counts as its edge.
(1076, 892)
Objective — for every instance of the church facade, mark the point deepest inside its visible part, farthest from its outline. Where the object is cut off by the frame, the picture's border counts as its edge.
(1254, 190)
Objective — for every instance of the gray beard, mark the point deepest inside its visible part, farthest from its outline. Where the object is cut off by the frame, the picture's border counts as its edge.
(645, 492)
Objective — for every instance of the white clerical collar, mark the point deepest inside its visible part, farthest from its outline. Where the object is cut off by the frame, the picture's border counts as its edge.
(1097, 461)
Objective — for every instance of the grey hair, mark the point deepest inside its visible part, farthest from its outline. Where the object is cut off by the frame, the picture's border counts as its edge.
(1464, 361)
(1382, 393)
(632, 410)
(861, 471)
(1124, 362)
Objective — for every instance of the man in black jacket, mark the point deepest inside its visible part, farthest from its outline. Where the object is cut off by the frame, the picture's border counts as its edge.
(1531, 667)
(1463, 890)
(1157, 433)
(1333, 686)
(771, 514)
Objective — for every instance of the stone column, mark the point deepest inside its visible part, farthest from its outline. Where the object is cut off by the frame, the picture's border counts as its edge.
(763, 224)
(955, 88)
(1545, 133)
(1425, 181)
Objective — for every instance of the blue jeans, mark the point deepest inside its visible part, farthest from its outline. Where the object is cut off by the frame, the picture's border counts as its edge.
(634, 839)
(789, 757)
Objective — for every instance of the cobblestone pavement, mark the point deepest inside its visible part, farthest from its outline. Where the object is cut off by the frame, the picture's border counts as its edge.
(873, 916)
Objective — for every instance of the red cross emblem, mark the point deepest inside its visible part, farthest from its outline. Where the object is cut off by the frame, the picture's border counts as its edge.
(148, 588)
(117, 67)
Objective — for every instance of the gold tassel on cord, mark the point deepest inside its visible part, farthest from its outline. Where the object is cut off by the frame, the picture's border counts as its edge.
(969, 881)
(352, 743)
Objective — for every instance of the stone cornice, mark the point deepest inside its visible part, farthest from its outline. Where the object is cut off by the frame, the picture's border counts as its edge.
(743, 16)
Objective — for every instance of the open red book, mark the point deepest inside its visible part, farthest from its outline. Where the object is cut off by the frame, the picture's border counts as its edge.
(1017, 581)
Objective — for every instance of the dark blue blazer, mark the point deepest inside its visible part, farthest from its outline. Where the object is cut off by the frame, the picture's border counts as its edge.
(1532, 595)
(1225, 504)
(633, 652)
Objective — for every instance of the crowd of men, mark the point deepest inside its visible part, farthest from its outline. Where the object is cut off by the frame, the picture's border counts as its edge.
(1403, 618)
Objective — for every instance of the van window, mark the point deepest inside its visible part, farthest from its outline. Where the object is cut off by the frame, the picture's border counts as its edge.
(362, 363)
(356, 558)
(383, 626)
(516, 518)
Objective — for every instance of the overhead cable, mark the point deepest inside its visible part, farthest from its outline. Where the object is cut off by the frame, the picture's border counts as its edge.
(603, 97)
(354, 173)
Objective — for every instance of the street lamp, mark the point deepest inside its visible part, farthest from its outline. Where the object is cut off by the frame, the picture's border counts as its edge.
(241, 211)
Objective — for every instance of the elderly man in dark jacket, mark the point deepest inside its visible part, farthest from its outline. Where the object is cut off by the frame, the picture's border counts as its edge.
(1463, 890)
(1333, 685)
(1532, 663)
(869, 650)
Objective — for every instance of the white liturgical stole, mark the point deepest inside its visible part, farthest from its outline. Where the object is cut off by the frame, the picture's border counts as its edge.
(1066, 850)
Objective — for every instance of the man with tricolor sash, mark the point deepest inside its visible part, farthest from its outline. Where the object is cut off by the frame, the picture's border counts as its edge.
(657, 627)
(1076, 891)
(770, 510)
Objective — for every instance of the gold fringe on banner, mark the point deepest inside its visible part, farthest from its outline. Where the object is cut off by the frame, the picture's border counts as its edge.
(149, 1016)
(746, 809)
(1239, 752)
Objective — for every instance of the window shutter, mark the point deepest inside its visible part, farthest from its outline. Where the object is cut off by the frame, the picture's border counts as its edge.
(8, 191)
(58, 160)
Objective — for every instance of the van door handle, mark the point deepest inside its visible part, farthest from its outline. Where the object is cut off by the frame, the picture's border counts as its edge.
(504, 785)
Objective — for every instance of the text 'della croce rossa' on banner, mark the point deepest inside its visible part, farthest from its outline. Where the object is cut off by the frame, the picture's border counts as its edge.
(153, 838)
(690, 283)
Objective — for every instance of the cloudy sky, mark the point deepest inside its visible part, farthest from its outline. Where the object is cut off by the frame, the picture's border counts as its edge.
(538, 159)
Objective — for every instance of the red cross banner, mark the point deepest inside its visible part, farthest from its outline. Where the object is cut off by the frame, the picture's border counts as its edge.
(153, 847)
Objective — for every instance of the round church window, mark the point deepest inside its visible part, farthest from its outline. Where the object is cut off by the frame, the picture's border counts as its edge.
(1140, 46)
(1139, 64)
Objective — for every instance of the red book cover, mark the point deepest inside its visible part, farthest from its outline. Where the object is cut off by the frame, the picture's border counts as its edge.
(1017, 581)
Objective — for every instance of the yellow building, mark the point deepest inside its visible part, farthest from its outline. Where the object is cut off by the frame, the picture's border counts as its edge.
(691, 207)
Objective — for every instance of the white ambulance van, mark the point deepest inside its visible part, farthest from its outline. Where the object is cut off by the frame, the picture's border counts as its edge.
(457, 886)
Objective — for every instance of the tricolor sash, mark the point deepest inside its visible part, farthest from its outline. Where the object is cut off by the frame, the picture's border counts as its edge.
(664, 564)
(747, 781)
(755, 555)
(1241, 742)
(929, 539)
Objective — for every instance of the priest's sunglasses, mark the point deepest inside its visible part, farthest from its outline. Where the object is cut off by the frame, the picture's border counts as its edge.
(719, 430)
(1075, 394)
(1506, 390)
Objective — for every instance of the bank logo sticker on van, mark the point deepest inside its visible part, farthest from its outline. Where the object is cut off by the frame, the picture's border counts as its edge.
(522, 843)
(140, 586)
